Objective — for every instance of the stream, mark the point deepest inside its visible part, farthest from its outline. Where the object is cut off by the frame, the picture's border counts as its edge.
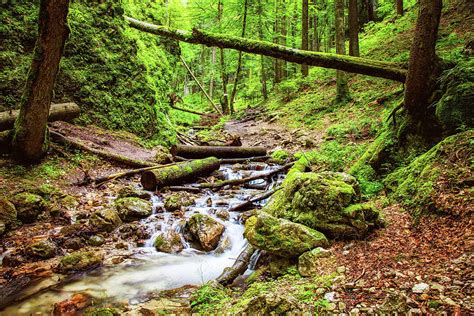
(150, 271)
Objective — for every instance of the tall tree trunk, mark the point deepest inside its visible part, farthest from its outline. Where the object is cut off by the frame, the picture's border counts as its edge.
(283, 38)
(239, 62)
(304, 35)
(276, 39)
(29, 141)
(370, 10)
(225, 80)
(341, 80)
(399, 7)
(211, 80)
(263, 76)
(423, 67)
(353, 29)
(315, 29)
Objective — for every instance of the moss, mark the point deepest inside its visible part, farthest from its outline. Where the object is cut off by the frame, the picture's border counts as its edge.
(79, 261)
(29, 206)
(209, 299)
(177, 200)
(104, 311)
(105, 219)
(132, 208)
(8, 213)
(280, 156)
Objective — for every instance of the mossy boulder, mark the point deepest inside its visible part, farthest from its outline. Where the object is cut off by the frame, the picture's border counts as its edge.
(176, 200)
(205, 230)
(169, 242)
(132, 208)
(282, 237)
(44, 249)
(105, 219)
(80, 261)
(321, 201)
(96, 240)
(28, 206)
(131, 191)
(8, 215)
(308, 261)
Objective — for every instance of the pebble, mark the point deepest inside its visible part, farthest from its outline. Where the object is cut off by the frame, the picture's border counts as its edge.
(330, 296)
(341, 306)
(354, 311)
(341, 269)
(449, 301)
(415, 311)
(420, 288)
(437, 286)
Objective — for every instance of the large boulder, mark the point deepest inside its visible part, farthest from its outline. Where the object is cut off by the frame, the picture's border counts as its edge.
(325, 201)
(105, 219)
(28, 206)
(169, 242)
(7, 215)
(205, 230)
(132, 208)
(282, 237)
(80, 261)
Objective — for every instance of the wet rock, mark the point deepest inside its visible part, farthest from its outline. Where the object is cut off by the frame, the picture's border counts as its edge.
(72, 305)
(420, 288)
(42, 249)
(131, 191)
(244, 216)
(105, 219)
(177, 200)
(96, 240)
(308, 262)
(134, 231)
(224, 245)
(73, 229)
(80, 261)
(131, 208)
(8, 215)
(169, 242)
(282, 237)
(206, 230)
(325, 201)
(28, 206)
(74, 243)
(223, 214)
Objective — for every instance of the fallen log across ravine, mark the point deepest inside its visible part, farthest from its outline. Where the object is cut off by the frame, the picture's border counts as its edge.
(177, 174)
(57, 112)
(196, 152)
(238, 268)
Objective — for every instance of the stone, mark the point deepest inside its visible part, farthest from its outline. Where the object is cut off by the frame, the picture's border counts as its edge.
(223, 214)
(341, 270)
(438, 287)
(80, 261)
(330, 296)
(279, 265)
(326, 201)
(105, 219)
(177, 200)
(341, 306)
(308, 262)
(96, 240)
(205, 230)
(223, 245)
(8, 215)
(28, 206)
(169, 242)
(44, 249)
(132, 191)
(74, 243)
(132, 208)
(282, 237)
(420, 288)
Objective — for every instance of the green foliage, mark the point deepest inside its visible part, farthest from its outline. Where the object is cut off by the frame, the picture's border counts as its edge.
(209, 298)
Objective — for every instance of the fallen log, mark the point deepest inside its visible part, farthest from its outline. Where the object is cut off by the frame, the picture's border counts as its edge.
(173, 175)
(249, 203)
(173, 106)
(220, 184)
(57, 112)
(243, 160)
(58, 137)
(196, 152)
(240, 265)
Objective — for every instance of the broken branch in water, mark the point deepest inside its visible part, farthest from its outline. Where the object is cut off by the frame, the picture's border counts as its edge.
(238, 268)
(244, 206)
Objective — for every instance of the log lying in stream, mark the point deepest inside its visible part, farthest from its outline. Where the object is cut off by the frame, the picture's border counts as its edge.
(196, 152)
(57, 112)
(177, 174)
(238, 268)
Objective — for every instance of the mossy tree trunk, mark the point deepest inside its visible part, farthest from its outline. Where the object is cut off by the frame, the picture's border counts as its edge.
(423, 67)
(353, 29)
(30, 135)
(341, 80)
(304, 35)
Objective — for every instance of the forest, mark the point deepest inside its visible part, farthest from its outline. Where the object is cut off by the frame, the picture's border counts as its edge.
(236, 157)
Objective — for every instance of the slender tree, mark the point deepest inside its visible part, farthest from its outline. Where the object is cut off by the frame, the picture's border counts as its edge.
(342, 90)
(316, 37)
(353, 29)
(399, 4)
(224, 77)
(369, 5)
(304, 34)
(263, 76)
(30, 136)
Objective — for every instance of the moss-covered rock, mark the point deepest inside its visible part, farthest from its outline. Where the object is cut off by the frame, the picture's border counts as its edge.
(319, 201)
(209, 299)
(28, 206)
(105, 219)
(132, 191)
(280, 156)
(308, 261)
(176, 200)
(96, 240)
(282, 237)
(438, 180)
(42, 249)
(169, 242)
(8, 215)
(205, 230)
(132, 208)
(80, 261)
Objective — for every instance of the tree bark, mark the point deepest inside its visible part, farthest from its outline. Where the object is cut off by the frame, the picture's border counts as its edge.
(387, 70)
(423, 68)
(263, 76)
(370, 10)
(239, 63)
(6, 142)
(225, 97)
(30, 141)
(195, 152)
(341, 80)
(353, 29)
(399, 4)
(304, 35)
(238, 268)
(177, 174)
(57, 112)
(278, 64)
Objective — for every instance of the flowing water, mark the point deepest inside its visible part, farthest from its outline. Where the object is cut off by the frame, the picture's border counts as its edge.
(150, 271)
